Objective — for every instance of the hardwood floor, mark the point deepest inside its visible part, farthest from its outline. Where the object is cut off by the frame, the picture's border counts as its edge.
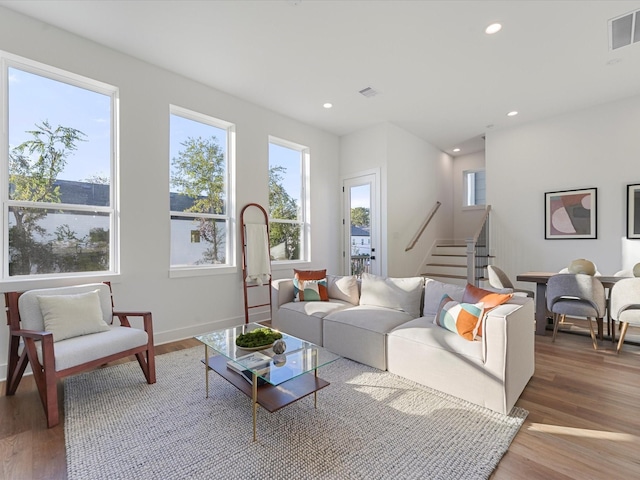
(584, 418)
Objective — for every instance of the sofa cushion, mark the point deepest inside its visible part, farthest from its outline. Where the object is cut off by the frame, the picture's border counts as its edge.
(422, 331)
(316, 309)
(68, 316)
(360, 333)
(310, 285)
(460, 318)
(473, 294)
(433, 292)
(343, 288)
(401, 294)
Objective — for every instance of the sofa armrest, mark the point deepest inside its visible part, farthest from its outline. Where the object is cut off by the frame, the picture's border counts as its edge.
(281, 292)
(508, 345)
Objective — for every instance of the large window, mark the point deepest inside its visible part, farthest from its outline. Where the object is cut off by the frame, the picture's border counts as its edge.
(201, 199)
(58, 162)
(288, 200)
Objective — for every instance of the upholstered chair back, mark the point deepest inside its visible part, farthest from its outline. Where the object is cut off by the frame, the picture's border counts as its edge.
(31, 314)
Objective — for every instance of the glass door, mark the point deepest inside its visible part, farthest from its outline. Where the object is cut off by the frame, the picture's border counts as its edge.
(361, 223)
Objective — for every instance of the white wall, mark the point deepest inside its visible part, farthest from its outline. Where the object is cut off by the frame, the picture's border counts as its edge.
(596, 147)
(466, 221)
(414, 176)
(185, 306)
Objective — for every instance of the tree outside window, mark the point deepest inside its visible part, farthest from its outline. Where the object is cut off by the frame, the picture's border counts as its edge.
(59, 208)
(200, 234)
(287, 200)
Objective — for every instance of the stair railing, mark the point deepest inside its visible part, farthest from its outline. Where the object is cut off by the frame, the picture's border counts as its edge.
(478, 251)
(427, 219)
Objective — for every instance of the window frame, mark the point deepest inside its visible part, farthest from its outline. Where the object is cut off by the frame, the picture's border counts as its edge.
(7, 61)
(305, 199)
(180, 271)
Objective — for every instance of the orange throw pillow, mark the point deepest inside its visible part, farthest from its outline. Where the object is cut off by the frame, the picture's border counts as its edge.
(473, 294)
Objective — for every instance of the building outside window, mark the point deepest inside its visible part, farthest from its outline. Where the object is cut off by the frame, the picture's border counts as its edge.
(288, 201)
(58, 174)
(200, 197)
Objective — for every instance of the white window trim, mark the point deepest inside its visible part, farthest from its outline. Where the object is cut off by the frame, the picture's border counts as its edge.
(184, 271)
(9, 60)
(305, 211)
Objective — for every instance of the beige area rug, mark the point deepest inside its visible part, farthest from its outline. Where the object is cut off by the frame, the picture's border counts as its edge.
(369, 424)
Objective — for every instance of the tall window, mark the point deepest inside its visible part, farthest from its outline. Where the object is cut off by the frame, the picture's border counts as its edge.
(288, 200)
(200, 199)
(58, 161)
(475, 192)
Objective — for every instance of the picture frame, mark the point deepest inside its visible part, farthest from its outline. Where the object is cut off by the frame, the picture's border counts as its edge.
(571, 214)
(633, 210)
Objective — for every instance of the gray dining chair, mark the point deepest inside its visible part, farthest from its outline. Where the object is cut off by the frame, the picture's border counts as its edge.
(500, 280)
(625, 305)
(576, 295)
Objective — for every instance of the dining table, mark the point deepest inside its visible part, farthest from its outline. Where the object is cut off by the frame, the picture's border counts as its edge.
(541, 279)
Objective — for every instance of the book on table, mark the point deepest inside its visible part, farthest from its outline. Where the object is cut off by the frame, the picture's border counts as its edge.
(251, 361)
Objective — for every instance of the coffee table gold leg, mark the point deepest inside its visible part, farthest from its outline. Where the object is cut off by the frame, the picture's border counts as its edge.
(254, 400)
(315, 394)
(206, 369)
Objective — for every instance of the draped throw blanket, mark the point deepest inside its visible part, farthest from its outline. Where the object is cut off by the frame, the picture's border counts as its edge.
(257, 253)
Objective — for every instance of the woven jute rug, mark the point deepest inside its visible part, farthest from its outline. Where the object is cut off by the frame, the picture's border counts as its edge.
(369, 424)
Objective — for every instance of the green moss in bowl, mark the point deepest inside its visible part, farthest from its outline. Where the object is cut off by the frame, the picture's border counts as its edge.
(257, 338)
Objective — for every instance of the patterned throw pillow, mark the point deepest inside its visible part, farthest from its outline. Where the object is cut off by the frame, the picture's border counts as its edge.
(473, 294)
(460, 318)
(310, 285)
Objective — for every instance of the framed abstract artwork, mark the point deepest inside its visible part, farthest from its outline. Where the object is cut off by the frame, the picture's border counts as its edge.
(633, 211)
(570, 214)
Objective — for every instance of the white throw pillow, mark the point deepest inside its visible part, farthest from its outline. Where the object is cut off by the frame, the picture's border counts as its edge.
(433, 292)
(402, 294)
(343, 288)
(68, 316)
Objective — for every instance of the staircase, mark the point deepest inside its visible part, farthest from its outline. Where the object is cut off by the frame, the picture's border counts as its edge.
(448, 263)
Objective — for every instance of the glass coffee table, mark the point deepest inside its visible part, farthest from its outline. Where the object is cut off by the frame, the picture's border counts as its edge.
(271, 381)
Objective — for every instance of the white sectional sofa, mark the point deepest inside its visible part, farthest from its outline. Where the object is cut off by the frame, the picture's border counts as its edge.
(389, 324)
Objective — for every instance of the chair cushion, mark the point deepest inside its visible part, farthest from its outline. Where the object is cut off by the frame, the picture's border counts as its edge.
(67, 316)
(29, 305)
(401, 294)
(78, 350)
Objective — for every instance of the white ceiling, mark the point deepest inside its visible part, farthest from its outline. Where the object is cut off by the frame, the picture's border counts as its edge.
(439, 75)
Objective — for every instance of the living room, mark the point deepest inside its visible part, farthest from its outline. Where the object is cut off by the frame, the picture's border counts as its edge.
(590, 145)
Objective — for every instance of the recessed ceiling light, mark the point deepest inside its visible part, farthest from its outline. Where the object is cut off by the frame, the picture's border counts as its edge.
(456, 150)
(512, 114)
(328, 105)
(493, 28)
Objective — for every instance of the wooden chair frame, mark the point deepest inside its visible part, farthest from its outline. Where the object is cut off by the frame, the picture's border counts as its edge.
(45, 374)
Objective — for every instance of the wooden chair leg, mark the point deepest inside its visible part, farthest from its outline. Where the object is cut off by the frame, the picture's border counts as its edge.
(16, 366)
(556, 321)
(623, 332)
(593, 334)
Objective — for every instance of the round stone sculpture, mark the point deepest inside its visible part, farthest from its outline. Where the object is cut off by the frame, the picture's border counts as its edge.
(582, 265)
(279, 346)
(636, 270)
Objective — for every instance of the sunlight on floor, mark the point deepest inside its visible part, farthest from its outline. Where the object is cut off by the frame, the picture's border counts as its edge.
(583, 432)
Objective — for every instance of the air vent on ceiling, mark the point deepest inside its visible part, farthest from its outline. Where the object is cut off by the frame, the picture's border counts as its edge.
(368, 92)
(624, 30)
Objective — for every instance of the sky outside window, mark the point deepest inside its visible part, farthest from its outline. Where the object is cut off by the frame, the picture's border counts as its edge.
(34, 99)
